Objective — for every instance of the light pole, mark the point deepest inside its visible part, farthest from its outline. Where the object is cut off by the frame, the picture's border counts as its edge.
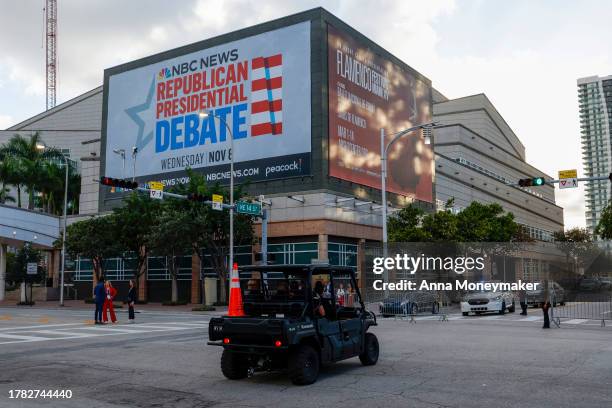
(43, 147)
(231, 209)
(121, 152)
(384, 150)
(134, 154)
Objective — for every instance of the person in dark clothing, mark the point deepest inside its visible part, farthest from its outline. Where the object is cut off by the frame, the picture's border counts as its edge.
(131, 299)
(523, 300)
(99, 298)
(317, 300)
(545, 308)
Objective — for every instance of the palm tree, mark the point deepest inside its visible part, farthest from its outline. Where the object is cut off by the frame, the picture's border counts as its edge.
(51, 185)
(8, 174)
(30, 157)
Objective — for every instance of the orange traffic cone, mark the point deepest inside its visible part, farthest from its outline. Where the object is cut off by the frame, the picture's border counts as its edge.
(235, 301)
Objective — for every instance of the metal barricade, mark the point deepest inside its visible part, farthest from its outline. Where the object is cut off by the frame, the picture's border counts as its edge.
(410, 305)
(583, 306)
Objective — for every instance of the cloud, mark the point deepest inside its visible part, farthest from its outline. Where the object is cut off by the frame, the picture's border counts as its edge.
(526, 56)
(5, 121)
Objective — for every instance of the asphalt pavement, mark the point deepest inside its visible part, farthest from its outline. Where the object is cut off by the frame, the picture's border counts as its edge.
(163, 361)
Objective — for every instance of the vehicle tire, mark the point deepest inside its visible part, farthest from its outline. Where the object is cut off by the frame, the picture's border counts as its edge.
(512, 308)
(233, 365)
(435, 308)
(465, 313)
(503, 309)
(562, 303)
(304, 365)
(370, 350)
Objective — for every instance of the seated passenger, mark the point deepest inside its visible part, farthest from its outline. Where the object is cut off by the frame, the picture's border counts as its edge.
(317, 304)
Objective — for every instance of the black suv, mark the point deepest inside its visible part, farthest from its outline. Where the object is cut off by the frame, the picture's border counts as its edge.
(297, 318)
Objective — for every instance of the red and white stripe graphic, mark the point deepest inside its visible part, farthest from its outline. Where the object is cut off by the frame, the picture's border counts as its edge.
(267, 95)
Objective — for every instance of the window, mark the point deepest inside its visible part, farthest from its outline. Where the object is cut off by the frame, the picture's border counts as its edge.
(294, 253)
(342, 254)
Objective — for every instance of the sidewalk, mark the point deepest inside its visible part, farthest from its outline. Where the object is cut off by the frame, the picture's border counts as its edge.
(149, 307)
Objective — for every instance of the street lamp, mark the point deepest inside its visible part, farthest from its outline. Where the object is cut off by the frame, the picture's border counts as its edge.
(121, 152)
(43, 147)
(231, 209)
(384, 150)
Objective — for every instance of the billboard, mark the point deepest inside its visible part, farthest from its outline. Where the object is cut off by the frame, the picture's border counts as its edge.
(183, 111)
(366, 93)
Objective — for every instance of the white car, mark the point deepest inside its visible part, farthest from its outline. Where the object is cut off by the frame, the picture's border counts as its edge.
(479, 302)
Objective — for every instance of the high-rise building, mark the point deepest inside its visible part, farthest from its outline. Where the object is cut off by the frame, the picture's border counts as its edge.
(595, 104)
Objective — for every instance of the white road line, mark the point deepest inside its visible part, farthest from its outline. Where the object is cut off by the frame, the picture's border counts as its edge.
(62, 333)
(532, 318)
(574, 321)
(203, 324)
(115, 329)
(19, 337)
(490, 317)
(16, 328)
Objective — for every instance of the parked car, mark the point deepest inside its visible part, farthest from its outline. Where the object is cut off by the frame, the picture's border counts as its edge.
(536, 297)
(590, 284)
(410, 303)
(606, 283)
(479, 302)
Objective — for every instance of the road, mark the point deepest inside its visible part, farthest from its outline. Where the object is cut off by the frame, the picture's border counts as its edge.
(162, 361)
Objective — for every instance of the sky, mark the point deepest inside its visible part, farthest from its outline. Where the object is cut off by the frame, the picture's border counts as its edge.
(525, 55)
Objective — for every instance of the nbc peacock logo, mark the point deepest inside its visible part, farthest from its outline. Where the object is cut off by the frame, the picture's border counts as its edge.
(163, 73)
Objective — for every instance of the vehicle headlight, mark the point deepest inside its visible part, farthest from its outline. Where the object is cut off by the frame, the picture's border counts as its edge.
(497, 298)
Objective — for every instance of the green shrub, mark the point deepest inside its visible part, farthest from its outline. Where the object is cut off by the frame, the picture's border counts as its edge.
(203, 308)
(170, 303)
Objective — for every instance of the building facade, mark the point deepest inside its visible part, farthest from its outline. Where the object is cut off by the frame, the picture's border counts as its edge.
(595, 110)
(331, 209)
(478, 156)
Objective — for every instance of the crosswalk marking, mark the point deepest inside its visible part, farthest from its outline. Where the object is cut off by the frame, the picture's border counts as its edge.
(11, 329)
(50, 332)
(18, 337)
(574, 321)
(62, 332)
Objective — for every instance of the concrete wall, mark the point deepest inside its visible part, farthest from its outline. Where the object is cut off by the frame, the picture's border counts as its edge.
(477, 155)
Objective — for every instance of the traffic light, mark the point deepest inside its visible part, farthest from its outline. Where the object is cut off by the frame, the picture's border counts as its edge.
(197, 197)
(121, 183)
(528, 182)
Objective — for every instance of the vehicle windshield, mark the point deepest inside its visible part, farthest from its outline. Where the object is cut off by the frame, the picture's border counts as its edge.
(273, 292)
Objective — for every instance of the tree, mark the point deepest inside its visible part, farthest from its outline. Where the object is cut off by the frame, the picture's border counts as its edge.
(10, 174)
(486, 223)
(476, 223)
(604, 227)
(16, 270)
(577, 245)
(208, 229)
(134, 222)
(31, 158)
(94, 238)
(169, 238)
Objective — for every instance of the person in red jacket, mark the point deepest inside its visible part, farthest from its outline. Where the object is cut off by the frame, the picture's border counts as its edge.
(111, 292)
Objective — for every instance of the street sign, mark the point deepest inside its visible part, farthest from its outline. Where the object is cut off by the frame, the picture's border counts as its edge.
(157, 189)
(217, 202)
(32, 268)
(243, 207)
(568, 179)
